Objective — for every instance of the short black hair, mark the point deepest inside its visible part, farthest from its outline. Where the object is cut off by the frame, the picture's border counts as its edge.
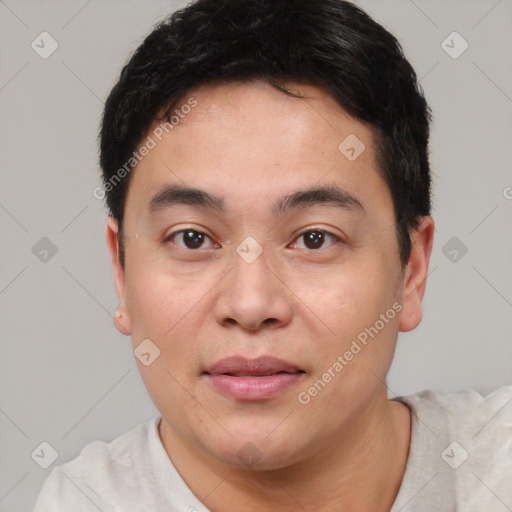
(329, 43)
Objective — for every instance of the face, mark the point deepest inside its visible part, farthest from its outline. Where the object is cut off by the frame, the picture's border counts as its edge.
(272, 310)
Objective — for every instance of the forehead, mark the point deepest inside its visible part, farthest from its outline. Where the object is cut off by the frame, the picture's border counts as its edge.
(252, 141)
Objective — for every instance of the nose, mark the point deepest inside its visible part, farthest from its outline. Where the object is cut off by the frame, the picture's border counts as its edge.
(253, 294)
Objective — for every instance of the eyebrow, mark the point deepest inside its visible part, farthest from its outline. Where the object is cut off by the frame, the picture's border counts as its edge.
(176, 194)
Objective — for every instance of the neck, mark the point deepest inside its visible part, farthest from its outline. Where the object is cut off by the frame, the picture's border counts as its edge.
(360, 469)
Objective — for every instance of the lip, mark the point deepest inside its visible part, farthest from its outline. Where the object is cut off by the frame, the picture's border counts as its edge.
(253, 379)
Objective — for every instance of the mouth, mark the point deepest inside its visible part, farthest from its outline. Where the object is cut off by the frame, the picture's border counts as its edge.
(264, 366)
(252, 379)
(255, 374)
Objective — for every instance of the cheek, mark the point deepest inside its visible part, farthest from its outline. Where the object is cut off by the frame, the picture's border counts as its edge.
(356, 358)
(160, 303)
(352, 306)
(354, 296)
(163, 309)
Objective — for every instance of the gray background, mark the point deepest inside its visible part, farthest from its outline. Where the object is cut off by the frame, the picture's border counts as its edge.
(67, 376)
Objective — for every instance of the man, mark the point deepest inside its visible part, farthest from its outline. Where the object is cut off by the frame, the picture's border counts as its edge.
(266, 168)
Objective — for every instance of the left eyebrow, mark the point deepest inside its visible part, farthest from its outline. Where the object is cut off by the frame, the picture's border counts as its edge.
(176, 194)
(324, 195)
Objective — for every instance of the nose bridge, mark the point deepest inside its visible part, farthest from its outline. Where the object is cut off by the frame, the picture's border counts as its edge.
(252, 265)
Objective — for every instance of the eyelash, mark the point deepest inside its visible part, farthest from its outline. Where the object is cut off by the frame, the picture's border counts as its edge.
(325, 232)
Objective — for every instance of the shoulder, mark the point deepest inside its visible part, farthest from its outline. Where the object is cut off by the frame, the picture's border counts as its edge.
(463, 441)
(466, 410)
(99, 475)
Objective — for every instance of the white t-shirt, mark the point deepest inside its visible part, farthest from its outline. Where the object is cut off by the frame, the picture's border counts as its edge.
(460, 460)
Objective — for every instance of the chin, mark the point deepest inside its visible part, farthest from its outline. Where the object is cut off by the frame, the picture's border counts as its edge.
(254, 449)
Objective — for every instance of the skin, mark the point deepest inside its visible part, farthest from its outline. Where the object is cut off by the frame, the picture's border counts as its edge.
(347, 448)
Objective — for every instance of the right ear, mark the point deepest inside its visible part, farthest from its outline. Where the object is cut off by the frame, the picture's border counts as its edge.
(122, 319)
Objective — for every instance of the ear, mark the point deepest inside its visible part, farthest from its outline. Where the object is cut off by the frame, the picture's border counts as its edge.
(415, 278)
(122, 316)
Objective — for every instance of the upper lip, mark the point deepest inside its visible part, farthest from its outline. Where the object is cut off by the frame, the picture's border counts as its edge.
(265, 365)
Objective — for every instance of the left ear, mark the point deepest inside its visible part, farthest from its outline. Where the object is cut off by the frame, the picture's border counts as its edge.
(415, 278)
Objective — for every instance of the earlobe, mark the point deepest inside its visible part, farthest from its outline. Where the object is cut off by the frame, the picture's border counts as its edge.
(415, 278)
(121, 317)
(122, 320)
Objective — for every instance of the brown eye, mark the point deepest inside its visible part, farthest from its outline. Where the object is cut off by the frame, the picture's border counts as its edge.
(191, 238)
(315, 238)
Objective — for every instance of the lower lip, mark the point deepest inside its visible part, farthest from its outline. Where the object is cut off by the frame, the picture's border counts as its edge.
(254, 388)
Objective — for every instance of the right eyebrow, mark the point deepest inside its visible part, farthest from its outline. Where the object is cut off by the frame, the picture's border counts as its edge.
(176, 194)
